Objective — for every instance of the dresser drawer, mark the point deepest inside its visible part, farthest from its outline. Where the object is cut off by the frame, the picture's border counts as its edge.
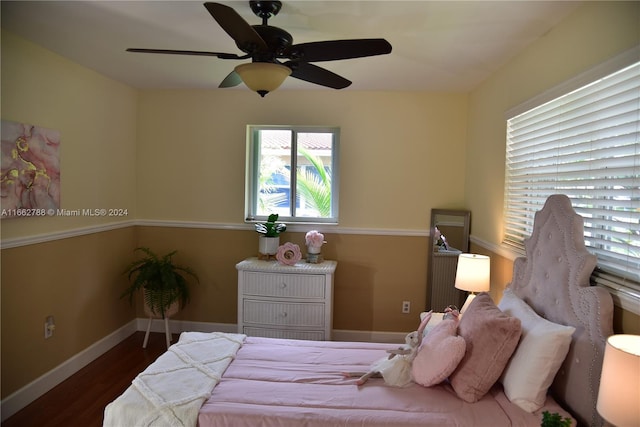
(284, 285)
(284, 314)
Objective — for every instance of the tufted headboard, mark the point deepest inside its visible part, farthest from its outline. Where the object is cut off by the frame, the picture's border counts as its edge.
(553, 279)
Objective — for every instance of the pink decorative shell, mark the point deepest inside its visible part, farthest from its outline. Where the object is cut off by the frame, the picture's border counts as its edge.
(288, 254)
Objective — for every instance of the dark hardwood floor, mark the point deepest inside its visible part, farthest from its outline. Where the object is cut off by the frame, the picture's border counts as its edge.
(80, 399)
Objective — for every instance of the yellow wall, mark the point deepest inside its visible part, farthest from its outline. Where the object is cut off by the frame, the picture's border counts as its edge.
(191, 156)
(78, 281)
(401, 153)
(97, 121)
(374, 275)
(75, 279)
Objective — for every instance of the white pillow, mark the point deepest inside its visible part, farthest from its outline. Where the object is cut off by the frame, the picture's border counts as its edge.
(435, 319)
(542, 349)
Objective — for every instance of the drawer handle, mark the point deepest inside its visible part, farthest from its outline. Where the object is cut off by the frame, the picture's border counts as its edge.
(283, 285)
(283, 314)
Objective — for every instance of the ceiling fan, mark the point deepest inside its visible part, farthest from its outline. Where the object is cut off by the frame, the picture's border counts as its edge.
(273, 55)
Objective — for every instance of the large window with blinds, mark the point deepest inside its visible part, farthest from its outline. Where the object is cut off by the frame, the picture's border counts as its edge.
(584, 144)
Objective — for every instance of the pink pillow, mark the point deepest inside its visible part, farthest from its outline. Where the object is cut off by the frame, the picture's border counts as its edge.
(491, 337)
(441, 351)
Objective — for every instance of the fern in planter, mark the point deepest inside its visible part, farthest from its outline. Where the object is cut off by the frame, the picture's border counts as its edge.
(162, 281)
(554, 420)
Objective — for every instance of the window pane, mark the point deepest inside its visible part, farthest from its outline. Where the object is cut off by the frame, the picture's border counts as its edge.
(313, 177)
(274, 172)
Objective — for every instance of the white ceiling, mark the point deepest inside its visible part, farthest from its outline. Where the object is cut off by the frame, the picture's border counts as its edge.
(437, 45)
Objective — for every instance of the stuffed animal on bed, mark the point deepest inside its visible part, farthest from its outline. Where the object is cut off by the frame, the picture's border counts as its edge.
(451, 312)
(396, 368)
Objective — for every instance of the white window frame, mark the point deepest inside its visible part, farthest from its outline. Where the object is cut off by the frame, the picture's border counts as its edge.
(252, 173)
(532, 174)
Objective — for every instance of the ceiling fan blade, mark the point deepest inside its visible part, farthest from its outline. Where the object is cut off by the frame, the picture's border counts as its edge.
(189, 52)
(232, 79)
(314, 74)
(338, 49)
(246, 38)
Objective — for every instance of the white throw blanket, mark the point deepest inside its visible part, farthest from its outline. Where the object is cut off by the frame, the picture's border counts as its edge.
(172, 389)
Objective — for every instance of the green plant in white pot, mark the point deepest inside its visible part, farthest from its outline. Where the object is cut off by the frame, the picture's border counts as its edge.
(269, 239)
(163, 282)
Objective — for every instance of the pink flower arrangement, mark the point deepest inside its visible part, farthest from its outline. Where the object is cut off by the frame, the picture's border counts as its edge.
(314, 239)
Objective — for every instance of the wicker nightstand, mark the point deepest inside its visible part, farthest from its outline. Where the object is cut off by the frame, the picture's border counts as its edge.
(279, 301)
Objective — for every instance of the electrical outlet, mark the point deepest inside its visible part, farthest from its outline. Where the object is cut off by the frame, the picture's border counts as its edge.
(49, 327)
(406, 306)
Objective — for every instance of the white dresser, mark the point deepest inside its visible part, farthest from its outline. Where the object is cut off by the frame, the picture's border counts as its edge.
(281, 301)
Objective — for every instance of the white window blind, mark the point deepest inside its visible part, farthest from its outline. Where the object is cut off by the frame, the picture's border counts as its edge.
(584, 144)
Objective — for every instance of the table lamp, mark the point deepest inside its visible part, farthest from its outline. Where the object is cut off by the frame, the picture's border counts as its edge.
(619, 393)
(472, 275)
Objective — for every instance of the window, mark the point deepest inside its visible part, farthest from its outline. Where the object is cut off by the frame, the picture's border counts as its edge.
(584, 144)
(292, 171)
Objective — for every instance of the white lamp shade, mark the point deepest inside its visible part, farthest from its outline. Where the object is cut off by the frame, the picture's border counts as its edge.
(619, 394)
(263, 77)
(473, 273)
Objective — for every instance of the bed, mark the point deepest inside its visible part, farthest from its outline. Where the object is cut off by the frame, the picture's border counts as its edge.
(216, 379)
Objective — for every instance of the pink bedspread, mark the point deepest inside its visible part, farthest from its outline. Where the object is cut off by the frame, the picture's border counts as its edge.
(274, 382)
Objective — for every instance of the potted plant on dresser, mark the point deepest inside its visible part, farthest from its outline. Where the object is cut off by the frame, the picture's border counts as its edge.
(164, 284)
(269, 239)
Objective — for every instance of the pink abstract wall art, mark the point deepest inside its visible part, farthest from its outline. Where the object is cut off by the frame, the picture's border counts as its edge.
(30, 176)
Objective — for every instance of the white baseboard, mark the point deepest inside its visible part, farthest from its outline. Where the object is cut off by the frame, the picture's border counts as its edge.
(36, 388)
(178, 326)
(30, 392)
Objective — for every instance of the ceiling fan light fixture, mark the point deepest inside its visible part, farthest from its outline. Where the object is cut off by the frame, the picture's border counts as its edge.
(264, 43)
(263, 77)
